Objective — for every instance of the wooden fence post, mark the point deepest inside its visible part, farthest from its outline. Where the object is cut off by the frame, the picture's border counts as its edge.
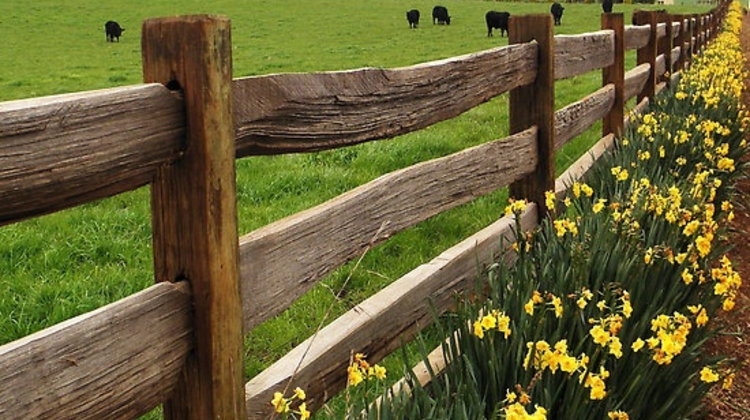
(615, 74)
(665, 46)
(534, 105)
(715, 21)
(690, 40)
(680, 64)
(194, 210)
(699, 27)
(647, 54)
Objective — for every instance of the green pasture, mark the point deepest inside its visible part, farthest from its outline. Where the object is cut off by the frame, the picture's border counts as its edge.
(61, 265)
(57, 46)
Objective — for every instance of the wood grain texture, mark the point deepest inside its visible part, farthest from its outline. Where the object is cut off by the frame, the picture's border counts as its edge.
(699, 33)
(116, 362)
(534, 106)
(579, 116)
(612, 123)
(680, 41)
(580, 54)
(383, 322)
(316, 111)
(60, 151)
(635, 78)
(665, 45)
(283, 260)
(647, 54)
(636, 36)
(194, 211)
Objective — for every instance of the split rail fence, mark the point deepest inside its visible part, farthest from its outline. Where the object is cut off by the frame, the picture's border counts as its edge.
(180, 342)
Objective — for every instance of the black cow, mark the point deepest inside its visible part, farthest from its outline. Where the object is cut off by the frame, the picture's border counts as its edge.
(607, 6)
(497, 20)
(557, 12)
(113, 30)
(440, 15)
(413, 17)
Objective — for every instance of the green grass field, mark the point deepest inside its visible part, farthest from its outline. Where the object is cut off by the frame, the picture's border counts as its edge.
(61, 265)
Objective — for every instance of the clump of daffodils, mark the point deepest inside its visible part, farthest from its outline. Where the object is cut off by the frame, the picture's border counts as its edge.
(515, 406)
(494, 321)
(517, 411)
(283, 405)
(669, 338)
(360, 370)
(541, 356)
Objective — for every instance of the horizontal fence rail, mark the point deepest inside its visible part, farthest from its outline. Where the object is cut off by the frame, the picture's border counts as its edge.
(637, 36)
(366, 216)
(119, 361)
(382, 323)
(316, 111)
(60, 151)
(580, 54)
(579, 116)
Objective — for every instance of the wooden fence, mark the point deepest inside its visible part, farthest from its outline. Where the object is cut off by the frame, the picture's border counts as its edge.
(179, 342)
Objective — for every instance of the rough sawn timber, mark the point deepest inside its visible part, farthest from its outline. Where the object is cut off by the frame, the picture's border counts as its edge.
(382, 323)
(635, 78)
(580, 54)
(194, 211)
(636, 36)
(116, 362)
(315, 111)
(282, 261)
(60, 151)
(579, 116)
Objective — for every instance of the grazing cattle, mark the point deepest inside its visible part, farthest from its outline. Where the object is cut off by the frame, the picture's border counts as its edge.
(113, 30)
(497, 20)
(557, 12)
(413, 17)
(607, 6)
(440, 15)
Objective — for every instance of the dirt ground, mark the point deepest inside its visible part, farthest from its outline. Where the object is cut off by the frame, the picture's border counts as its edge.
(734, 404)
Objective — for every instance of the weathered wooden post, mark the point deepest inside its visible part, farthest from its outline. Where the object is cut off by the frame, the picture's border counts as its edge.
(665, 46)
(194, 210)
(715, 22)
(681, 41)
(534, 105)
(647, 54)
(615, 75)
(699, 28)
(689, 39)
